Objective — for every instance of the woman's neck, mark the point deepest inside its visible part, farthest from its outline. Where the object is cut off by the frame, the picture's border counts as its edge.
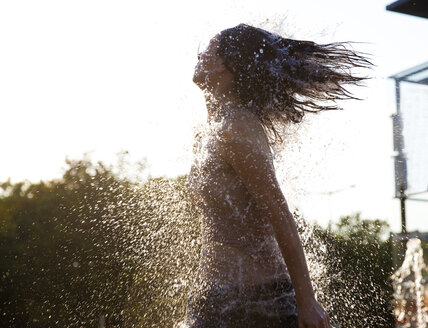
(219, 107)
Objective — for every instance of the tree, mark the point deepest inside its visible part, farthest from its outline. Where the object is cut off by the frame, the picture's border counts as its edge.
(96, 243)
(361, 268)
(64, 262)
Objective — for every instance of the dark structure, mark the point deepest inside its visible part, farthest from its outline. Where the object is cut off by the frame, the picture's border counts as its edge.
(417, 75)
(417, 8)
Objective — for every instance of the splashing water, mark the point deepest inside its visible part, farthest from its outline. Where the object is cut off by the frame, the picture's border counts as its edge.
(165, 233)
(139, 253)
(157, 231)
(409, 288)
(170, 252)
(141, 250)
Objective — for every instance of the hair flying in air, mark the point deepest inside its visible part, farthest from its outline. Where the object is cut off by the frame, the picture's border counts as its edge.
(283, 79)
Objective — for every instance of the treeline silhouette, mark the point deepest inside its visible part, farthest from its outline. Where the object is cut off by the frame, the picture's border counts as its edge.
(95, 247)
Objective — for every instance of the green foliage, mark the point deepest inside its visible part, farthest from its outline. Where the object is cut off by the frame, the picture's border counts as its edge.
(361, 231)
(96, 243)
(61, 255)
(361, 267)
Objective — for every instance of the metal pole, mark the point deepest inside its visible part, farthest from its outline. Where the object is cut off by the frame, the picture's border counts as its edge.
(403, 213)
(400, 158)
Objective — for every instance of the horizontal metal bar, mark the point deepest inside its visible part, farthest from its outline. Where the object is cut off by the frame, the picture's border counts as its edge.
(417, 199)
(417, 193)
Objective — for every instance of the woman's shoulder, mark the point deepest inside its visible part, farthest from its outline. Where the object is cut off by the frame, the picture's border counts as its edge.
(241, 124)
(242, 137)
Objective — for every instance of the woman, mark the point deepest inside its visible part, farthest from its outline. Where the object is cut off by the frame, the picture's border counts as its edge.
(252, 271)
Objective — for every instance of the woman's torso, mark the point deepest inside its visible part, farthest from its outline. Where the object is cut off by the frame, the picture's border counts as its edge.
(238, 242)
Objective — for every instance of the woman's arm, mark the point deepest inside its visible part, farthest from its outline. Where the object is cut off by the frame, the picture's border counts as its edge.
(245, 147)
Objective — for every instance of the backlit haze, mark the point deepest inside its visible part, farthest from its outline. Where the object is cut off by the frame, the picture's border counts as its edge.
(106, 76)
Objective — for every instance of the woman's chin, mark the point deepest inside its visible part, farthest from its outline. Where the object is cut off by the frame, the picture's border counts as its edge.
(201, 83)
(198, 77)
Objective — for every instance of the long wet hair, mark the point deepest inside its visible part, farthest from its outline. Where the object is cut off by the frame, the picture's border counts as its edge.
(282, 79)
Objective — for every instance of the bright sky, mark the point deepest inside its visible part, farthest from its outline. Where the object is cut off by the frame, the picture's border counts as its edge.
(105, 76)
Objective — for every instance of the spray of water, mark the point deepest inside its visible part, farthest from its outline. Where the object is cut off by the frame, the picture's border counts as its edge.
(410, 288)
(139, 251)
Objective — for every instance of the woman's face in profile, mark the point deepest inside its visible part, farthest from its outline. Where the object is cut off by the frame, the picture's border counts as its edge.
(209, 69)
